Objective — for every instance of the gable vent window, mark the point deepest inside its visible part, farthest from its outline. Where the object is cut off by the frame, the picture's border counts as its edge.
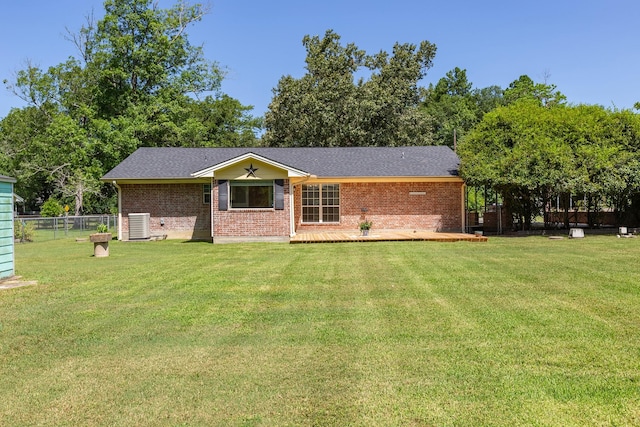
(321, 203)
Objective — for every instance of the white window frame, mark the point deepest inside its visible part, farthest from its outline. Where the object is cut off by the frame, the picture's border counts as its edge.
(320, 204)
(206, 193)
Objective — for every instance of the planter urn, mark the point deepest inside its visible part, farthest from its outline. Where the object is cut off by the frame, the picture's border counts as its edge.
(100, 244)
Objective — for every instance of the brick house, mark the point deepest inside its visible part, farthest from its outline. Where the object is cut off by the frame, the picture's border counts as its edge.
(270, 194)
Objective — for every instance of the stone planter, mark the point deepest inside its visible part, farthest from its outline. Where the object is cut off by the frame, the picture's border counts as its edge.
(100, 244)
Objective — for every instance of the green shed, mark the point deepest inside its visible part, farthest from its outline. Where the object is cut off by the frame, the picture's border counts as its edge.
(7, 267)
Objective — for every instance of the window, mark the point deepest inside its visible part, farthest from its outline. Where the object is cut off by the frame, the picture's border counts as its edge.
(251, 194)
(321, 203)
(206, 194)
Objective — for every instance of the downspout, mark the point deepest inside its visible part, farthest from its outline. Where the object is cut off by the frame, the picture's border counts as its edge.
(211, 208)
(119, 209)
(464, 210)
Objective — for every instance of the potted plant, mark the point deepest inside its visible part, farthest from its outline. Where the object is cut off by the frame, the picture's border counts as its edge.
(101, 241)
(365, 226)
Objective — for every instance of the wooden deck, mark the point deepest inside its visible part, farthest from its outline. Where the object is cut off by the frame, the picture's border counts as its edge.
(384, 236)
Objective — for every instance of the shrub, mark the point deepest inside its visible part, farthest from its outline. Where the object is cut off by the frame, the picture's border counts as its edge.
(24, 231)
(51, 208)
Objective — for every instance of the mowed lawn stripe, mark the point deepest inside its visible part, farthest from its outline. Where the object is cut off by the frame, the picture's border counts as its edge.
(522, 331)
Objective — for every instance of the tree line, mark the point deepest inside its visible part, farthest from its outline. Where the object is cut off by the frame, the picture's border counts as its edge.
(137, 81)
(538, 153)
(538, 158)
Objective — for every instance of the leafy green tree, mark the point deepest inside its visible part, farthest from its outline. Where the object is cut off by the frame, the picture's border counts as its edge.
(487, 99)
(329, 107)
(137, 81)
(452, 106)
(514, 151)
(139, 50)
(51, 208)
(531, 153)
(525, 88)
(220, 122)
(609, 160)
(455, 107)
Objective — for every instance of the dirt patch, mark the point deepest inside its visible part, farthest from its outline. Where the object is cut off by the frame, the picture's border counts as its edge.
(15, 282)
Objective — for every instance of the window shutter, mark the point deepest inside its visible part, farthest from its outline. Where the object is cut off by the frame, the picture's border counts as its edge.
(223, 195)
(279, 195)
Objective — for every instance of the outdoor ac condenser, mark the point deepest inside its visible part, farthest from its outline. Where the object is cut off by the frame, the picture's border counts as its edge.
(139, 226)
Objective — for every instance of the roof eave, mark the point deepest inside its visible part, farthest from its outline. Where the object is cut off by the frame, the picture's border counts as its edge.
(142, 180)
(423, 178)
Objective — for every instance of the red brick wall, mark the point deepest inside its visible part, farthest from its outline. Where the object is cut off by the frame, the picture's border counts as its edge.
(390, 206)
(251, 222)
(179, 205)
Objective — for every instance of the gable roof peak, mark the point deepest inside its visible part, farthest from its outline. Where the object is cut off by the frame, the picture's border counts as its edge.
(211, 170)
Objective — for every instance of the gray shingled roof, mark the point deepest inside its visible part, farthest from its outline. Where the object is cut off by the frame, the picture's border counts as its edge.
(172, 163)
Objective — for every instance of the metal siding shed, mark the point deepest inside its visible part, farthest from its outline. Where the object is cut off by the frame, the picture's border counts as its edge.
(7, 260)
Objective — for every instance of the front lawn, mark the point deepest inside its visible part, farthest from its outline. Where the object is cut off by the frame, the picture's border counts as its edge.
(516, 331)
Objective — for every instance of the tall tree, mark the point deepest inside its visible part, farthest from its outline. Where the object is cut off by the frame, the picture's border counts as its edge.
(140, 50)
(531, 153)
(452, 106)
(525, 88)
(455, 107)
(137, 81)
(487, 99)
(328, 107)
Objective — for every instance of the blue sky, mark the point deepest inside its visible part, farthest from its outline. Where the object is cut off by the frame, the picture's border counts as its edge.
(590, 49)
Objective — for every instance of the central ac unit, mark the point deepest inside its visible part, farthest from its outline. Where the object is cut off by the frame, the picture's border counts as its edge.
(139, 226)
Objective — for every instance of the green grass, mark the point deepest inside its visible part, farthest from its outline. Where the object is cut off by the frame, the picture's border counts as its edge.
(516, 331)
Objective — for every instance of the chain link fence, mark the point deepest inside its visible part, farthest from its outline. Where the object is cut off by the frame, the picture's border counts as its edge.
(39, 229)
